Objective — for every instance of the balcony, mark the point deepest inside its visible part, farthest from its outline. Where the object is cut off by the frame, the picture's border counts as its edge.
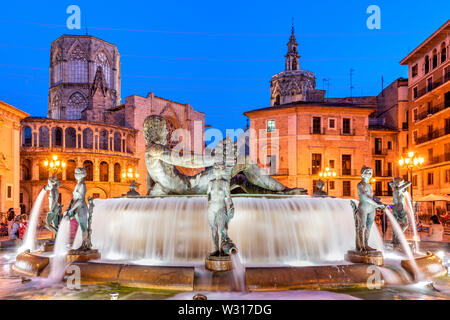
(350, 132)
(315, 130)
(432, 111)
(348, 172)
(381, 173)
(437, 82)
(432, 135)
(380, 152)
(439, 159)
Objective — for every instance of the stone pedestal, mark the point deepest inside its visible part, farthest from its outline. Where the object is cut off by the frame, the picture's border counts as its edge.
(48, 246)
(218, 263)
(82, 256)
(373, 257)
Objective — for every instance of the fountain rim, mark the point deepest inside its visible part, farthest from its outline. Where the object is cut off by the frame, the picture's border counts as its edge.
(237, 195)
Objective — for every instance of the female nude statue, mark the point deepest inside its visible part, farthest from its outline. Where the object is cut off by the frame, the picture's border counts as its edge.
(78, 207)
(366, 210)
(53, 215)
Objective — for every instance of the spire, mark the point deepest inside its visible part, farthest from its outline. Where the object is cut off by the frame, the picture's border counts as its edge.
(292, 54)
(292, 38)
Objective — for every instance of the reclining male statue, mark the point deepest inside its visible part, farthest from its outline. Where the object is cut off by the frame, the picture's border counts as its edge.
(168, 179)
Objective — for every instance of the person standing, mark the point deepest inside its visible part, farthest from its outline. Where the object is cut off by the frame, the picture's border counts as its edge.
(14, 231)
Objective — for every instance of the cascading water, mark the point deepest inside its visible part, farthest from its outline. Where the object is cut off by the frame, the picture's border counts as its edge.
(238, 273)
(269, 231)
(407, 203)
(404, 243)
(29, 242)
(58, 262)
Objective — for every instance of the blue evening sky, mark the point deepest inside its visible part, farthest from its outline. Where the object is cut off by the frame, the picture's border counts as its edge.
(217, 55)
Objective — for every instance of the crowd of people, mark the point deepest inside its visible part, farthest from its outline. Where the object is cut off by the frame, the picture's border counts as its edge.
(13, 226)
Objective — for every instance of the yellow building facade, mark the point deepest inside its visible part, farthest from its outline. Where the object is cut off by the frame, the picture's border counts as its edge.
(9, 156)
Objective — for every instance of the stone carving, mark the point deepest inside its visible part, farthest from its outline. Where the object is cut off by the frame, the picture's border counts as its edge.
(165, 179)
(399, 187)
(221, 208)
(78, 208)
(320, 192)
(54, 212)
(365, 211)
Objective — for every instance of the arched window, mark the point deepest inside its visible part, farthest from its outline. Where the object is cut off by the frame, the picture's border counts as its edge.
(102, 61)
(104, 140)
(57, 137)
(26, 137)
(443, 52)
(70, 170)
(71, 138)
(44, 137)
(117, 173)
(88, 140)
(117, 141)
(130, 144)
(89, 166)
(78, 66)
(427, 64)
(57, 68)
(77, 103)
(104, 171)
(26, 170)
(435, 59)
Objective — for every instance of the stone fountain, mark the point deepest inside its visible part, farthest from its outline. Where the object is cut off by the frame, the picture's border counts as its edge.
(286, 239)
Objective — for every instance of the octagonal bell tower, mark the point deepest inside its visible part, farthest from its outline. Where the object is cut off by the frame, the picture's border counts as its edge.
(84, 78)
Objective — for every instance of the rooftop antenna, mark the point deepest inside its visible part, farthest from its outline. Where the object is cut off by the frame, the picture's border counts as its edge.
(292, 24)
(351, 83)
(85, 24)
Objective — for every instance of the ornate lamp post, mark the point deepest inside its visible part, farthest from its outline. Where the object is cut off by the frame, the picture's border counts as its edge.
(129, 176)
(54, 166)
(412, 161)
(327, 174)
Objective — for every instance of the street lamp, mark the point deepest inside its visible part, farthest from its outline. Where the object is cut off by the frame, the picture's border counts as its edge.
(412, 161)
(54, 165)
(327, 174)
(130, 175)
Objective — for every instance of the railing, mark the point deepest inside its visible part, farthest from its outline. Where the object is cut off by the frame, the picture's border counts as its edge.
(348, 172)
(439, 159)
(431, 111)
(382, 193)
(432, 135)
(381, 173)
(437, 82)
(377, 151)
(317, 131)
(348, 132)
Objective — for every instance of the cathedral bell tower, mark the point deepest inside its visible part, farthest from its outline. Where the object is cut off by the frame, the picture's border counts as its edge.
(293, 84)
(292, 54)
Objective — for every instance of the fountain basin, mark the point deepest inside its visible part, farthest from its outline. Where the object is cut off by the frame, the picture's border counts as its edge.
(30, 264)
(430, 266)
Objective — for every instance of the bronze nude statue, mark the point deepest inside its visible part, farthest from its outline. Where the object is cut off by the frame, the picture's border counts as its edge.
(399, 187)
(55, 208)
(166, 179)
